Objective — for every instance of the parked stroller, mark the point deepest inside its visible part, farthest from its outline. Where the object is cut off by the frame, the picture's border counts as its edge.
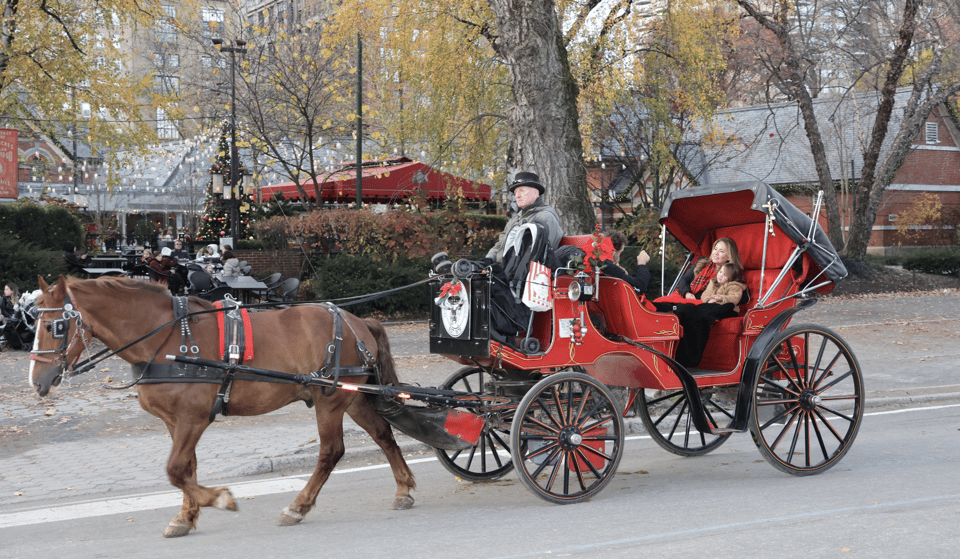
(20, 329)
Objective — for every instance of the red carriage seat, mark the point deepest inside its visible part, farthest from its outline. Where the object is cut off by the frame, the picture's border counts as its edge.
(731, 337)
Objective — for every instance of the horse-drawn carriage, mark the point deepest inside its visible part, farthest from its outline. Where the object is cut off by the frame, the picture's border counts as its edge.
(541, 403)
(545, 398)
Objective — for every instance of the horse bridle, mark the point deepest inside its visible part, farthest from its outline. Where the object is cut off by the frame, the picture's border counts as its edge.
(59, 329)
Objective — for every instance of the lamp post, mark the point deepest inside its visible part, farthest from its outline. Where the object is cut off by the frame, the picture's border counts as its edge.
(228, 193)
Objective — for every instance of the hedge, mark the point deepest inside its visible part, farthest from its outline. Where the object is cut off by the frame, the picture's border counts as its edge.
(44, 227)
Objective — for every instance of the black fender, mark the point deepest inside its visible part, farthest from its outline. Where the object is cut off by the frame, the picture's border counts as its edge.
(753, 363)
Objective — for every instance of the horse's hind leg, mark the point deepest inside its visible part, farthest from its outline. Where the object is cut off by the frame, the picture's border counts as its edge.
(362, 412)
(330, 430)
(182, 471)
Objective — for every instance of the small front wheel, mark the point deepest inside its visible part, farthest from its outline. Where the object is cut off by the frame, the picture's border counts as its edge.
(490, 458)
(567, 438)
(807, 400)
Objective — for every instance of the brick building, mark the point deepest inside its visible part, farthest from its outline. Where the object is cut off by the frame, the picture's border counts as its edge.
(770, 144)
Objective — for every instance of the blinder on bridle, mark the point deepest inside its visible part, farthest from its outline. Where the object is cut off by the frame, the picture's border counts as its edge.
(59, 330)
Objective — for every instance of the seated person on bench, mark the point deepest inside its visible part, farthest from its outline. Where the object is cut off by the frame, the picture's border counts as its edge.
(641, 277)
(726, 287)
(696, 318)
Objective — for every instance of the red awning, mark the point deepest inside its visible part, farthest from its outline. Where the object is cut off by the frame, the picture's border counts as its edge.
(388, 181)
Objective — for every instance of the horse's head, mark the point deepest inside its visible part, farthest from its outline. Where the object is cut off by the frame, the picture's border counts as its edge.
(59, 341)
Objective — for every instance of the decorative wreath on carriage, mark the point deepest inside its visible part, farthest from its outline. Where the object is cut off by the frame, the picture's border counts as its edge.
(599, 255)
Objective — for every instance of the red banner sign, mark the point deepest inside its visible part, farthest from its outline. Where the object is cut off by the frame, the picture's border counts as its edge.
(9, 166)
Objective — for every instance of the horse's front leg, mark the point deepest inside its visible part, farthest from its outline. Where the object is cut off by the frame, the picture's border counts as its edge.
(330, 411)
(182, 471)
(362, 412)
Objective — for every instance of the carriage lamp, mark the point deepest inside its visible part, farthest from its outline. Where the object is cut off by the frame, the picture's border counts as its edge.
(217, 181)
(580, 289)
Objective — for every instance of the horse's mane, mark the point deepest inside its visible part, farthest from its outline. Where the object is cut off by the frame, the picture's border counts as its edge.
(121, 286)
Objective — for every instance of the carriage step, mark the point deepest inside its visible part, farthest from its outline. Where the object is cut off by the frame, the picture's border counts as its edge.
(724, 431)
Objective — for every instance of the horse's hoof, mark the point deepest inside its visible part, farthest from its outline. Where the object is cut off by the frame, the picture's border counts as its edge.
(403, 503)
(176, 530)
(289, 518)
(225, 500)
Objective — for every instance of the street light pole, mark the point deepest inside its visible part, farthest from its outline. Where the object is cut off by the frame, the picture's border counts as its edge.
(234, 154)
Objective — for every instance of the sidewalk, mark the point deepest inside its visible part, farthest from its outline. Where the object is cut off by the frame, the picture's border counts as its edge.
(87, 440)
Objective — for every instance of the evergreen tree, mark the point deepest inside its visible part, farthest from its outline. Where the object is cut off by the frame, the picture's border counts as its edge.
(215, 222)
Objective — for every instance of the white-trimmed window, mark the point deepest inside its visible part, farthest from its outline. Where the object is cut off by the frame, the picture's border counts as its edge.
(166, 129)
(212, 22)
(167, 84)
(933, 133)
(166, 28)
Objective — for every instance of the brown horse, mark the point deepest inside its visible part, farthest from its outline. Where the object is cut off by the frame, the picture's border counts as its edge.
(118, 311)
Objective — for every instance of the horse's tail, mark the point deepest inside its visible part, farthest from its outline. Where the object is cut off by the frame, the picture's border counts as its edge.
(388, 371)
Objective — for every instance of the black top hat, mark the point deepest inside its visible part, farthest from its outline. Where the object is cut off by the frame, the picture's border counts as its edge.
(524, 178)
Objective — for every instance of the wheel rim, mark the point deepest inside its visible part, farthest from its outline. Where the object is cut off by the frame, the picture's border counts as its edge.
(808, 401)
(669, 422)
(568, 436)
(490, 458)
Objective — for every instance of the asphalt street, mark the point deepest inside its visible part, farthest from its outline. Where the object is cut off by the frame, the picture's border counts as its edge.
(85, 440)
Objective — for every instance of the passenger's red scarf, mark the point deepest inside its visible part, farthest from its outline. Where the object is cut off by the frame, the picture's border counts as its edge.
(700, 282)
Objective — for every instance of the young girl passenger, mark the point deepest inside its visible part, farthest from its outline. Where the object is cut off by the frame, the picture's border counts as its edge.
(726, 287)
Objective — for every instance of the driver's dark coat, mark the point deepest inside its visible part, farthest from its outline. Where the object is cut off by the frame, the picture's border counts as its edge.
(537, 212)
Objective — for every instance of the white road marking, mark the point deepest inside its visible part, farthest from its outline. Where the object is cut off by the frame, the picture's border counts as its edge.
(148, 501)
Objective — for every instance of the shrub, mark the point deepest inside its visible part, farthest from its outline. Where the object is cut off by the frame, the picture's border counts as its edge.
(346, 275)
(23, 262)
(938, 261)
(42, 227)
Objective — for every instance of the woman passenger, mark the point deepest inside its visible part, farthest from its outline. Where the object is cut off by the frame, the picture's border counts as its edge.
(697, 317)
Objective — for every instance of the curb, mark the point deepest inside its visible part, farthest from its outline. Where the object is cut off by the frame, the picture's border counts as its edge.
(306, 458)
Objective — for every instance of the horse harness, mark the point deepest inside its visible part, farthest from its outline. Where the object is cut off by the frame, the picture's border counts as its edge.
(59, 328)
(234, 331)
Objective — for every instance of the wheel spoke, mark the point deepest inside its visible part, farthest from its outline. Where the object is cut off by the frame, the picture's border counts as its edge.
(474, 464)
(567, 438)
(809, 389)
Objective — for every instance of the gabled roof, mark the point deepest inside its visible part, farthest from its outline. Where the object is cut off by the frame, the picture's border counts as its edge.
(770, 142)
(384, 181)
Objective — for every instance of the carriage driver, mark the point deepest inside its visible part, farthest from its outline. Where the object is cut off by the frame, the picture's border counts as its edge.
(527, 189)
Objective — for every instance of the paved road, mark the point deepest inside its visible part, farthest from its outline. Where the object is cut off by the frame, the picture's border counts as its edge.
(87, 440)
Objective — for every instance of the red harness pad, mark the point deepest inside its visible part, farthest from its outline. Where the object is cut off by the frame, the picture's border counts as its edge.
(247, 332)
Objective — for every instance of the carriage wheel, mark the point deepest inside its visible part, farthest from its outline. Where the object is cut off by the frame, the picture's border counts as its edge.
(666, 415)
(490, 459)
(808, 400)
(567, 438)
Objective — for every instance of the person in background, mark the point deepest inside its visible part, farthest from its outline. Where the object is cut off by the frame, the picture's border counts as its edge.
(641, 277)
(231, 264)
(9, 304)
(72, 257)
(178, 252)
(211, 252)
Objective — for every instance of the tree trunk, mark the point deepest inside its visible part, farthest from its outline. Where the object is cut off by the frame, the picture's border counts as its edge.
(867, 196)
(791, 77)
(544, 125)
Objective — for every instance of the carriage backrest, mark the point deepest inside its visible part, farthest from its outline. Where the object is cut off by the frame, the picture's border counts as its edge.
(749, 239)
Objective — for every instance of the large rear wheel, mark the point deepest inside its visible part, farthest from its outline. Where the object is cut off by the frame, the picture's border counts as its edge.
(490, 458)
(808, 400)
(666, 415)
(567, 438)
